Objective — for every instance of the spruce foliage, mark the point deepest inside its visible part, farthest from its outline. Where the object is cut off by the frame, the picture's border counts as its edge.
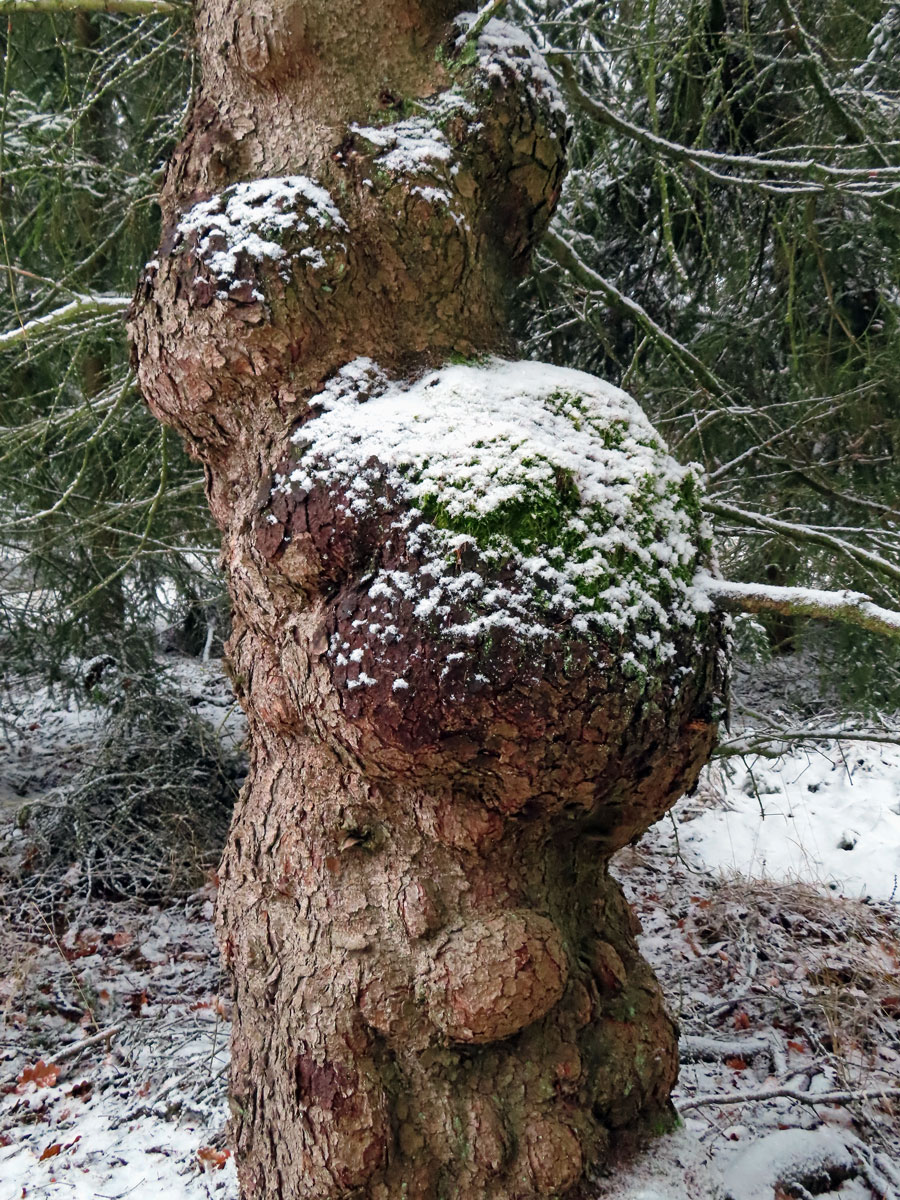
(104, 532)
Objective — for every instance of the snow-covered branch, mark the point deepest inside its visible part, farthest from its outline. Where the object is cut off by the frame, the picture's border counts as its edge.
(490, 10)
(75, 310)
(855, 608)
(132, 8)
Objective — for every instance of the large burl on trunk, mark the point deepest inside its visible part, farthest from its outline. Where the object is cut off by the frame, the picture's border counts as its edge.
(464, 631)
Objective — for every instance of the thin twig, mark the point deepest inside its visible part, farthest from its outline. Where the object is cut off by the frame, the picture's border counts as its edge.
(787, 1093)
(105, 1035)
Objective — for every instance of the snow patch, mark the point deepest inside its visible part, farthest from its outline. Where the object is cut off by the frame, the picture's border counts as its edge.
(411, 146)
(788, 1158)
(503, 49)
(829, 815)
(247, 218)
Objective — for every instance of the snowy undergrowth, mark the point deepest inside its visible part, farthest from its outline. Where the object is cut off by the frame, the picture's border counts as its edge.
(785, 995)
(548, 472)
(141, 1109)
(778, 987)
(128, 795)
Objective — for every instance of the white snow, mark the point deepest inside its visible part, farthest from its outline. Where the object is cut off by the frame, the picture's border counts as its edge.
(144, 1112)
(828, 814)
(410, 146)
(503, 48)
(786, 1157)
(244, 218)
(101, 1155)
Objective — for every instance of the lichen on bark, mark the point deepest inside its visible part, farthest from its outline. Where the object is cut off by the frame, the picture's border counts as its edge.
(464, 693)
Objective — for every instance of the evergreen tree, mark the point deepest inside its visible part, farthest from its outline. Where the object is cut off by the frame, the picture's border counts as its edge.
(104, 528)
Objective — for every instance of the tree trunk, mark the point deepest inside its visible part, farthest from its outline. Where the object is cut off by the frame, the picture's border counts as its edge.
(438, 988)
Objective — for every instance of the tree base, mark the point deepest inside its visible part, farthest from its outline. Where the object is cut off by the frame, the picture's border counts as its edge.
(415, 1020)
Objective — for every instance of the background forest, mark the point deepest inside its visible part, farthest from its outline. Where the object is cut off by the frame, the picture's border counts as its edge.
(727, 249)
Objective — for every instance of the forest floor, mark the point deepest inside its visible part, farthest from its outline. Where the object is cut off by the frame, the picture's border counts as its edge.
(770, 911)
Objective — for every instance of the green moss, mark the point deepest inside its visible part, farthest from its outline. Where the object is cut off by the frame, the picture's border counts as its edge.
(550, 520)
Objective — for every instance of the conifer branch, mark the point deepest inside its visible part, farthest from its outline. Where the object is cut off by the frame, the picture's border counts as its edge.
(566, 255)
(854, 608)
(805, 533)
(68, 314)
(811, 175)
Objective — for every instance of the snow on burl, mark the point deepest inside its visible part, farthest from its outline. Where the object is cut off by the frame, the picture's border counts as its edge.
(529, 495)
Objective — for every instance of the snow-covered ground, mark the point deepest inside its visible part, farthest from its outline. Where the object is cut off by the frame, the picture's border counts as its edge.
(826, 814)
(141, 1111)
(770, 912)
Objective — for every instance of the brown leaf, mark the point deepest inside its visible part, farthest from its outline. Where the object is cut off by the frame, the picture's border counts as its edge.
(741, 1020)
(50, 1151)
(136, 1002)
(41, 1075)
(211, 1157)
(736, 1064)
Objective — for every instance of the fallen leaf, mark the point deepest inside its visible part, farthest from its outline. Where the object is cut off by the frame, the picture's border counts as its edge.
(211, 1157)
(736, 1064)
(41, 1075)
(741, 1020)
(50, 1151)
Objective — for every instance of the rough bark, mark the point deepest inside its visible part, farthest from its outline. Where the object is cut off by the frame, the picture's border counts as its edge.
(438, 987)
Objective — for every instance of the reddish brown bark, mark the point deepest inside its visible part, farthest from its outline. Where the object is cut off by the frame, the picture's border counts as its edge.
(438, 988)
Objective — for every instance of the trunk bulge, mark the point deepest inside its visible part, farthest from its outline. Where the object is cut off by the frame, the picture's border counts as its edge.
(464, 631)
